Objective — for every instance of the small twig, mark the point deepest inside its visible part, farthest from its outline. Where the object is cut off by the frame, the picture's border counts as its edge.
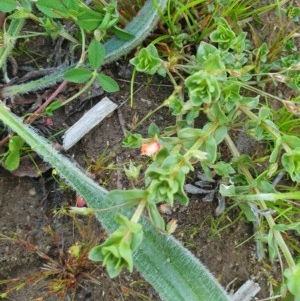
(246, 292)
(121, 121)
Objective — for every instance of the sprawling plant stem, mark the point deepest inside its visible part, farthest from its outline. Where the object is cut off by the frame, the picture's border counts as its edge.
(171, 269)
(263, 206)
(139, 27)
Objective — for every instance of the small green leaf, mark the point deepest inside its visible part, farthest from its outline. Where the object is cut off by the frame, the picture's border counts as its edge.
(202, 88)
(12, 161)
(290, 162)
(53, 8)
(148, 60)
(216, 113)
(223, 35)
(126, 253)
(210, 59)
(291, 141)
(137, 237)
(283, 227)
(75, 250)
(275, 151)
(89, 20)
(272, 168)
(227, 190)
(223, 169)
(96, 54)
(272, 248)
(250, 216)
(15, 143)
(292, 276)
(107, 83)
(132, 172)
(155, 216)
(197, 154)
(20, 14)
(7, 6)
(116, 252)
(72, 5)
(133, 140)
(77, 75)
(188, 136)
(264, 113)
(211, 149)
(26, 4)
(205, 50)
(95, 254)
(220, 134)
(52, 107)
(153, 130)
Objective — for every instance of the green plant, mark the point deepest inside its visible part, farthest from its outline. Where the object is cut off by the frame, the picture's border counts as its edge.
(225, 81)
(156, 248)
(96, 56)
(98, 20)
(115, 47)
(12, 156)
(87, 20)
(292, 276)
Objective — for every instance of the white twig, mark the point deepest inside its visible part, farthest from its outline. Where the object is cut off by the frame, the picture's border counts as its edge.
(246, 292)
(88, 121)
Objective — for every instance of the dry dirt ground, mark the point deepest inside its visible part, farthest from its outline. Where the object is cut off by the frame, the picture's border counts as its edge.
(27, 205)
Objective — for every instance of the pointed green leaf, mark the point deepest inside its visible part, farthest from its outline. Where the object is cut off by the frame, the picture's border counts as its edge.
(95, 254)
(155, 216)
(96, 54)
(15, 143)
(53, 106)
(211, 149)
(53, 8)
(77, 75)
(7, 6)
(88, 19)
(12, 161)
(153, 130)
(292, 276)
(26, 4)
(126, 254)
(107, 83)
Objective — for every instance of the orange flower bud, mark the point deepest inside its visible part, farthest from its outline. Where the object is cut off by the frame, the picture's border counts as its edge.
(150, 148)
(80, 201)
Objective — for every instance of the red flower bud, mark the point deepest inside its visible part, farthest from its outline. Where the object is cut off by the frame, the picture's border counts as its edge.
(80, 201)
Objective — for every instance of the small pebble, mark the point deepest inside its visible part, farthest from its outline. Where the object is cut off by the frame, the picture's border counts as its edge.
(32, 191)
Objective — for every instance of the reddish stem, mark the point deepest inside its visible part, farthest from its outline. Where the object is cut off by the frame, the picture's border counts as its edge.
(2, 19)
(39, 111)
